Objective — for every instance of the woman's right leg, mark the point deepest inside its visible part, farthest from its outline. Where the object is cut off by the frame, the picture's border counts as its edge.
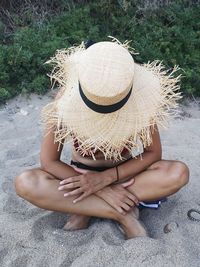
(41, 189)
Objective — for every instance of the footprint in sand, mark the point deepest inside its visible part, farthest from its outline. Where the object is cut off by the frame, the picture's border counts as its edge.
(20, 209)
(68, 261)
(30, 161)
(8, 187)
(7, 133)
(76, 238)
(15, 154)
(3, 254)
(52, 224)
(47, 224)
(112, 240)
(2, 165)
(21, 261)
(22, 150)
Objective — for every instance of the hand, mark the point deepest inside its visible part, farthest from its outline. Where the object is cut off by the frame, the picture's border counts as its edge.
(85, 184)
(119, 197)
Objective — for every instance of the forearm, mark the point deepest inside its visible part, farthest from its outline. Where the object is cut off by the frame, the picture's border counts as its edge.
(59, 169)
(126, 170)
(133, 167)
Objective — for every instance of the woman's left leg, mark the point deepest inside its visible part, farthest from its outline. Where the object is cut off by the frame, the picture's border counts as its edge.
(161, 179)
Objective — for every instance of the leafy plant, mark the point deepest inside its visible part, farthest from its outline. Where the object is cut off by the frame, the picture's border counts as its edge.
(170, 34)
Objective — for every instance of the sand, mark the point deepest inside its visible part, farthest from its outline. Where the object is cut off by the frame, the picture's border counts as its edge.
(30, 236)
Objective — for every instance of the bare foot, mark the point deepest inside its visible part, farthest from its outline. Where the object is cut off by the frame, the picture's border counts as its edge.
(131, 225)
(77, 222)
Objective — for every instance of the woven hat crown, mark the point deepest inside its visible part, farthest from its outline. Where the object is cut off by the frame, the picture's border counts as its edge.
(106, 72)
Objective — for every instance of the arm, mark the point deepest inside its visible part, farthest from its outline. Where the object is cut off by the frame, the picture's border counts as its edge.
(50, 159)
(134, 166)
(92, 182)
(120, 199)
(116, 195)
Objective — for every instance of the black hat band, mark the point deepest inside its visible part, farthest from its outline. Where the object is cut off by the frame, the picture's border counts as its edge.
(104, 108)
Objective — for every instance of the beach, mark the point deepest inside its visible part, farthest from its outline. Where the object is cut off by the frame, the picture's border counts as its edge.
(30, 236)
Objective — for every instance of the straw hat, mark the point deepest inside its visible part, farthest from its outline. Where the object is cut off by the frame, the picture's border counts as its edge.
(106, 101)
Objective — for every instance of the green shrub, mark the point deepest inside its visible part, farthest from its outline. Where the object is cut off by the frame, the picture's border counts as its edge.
(39, 84)
(170, 34)
(4, 94)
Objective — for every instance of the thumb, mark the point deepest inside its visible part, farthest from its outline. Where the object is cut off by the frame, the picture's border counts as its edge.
(128, 183)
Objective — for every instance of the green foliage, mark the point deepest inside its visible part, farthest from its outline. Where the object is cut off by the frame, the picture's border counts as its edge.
(1, 31)
(171, 34)
(4, 94)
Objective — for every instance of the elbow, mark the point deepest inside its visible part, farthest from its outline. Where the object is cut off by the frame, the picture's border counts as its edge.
(45, 164)
(158, 155)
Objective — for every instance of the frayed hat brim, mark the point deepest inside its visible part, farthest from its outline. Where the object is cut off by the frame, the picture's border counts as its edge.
(153, 100)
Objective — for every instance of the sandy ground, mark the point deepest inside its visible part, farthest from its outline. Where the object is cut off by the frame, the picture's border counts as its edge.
(30, 236)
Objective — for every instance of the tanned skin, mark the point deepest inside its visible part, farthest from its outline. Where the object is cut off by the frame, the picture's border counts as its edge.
(96, 193)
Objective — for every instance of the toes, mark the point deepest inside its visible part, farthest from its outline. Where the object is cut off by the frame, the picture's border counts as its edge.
(68, 226)
(75, 223)
(71, 227)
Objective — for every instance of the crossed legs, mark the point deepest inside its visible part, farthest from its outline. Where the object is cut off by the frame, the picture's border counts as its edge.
(161, 179)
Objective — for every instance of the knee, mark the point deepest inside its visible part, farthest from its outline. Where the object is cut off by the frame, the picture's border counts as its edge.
(178, 174)
(24, 184)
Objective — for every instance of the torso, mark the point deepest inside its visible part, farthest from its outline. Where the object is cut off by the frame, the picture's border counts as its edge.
(100, 161)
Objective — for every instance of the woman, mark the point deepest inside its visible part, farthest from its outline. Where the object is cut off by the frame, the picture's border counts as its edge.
(110, 107)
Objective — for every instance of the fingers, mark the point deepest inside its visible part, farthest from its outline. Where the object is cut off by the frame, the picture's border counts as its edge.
(74, 192)
(69, 186)
(134, 199)
(130, 202)
(120, 209)
(70, 180)
(126, 207)
(128, 183)
(80, 198)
